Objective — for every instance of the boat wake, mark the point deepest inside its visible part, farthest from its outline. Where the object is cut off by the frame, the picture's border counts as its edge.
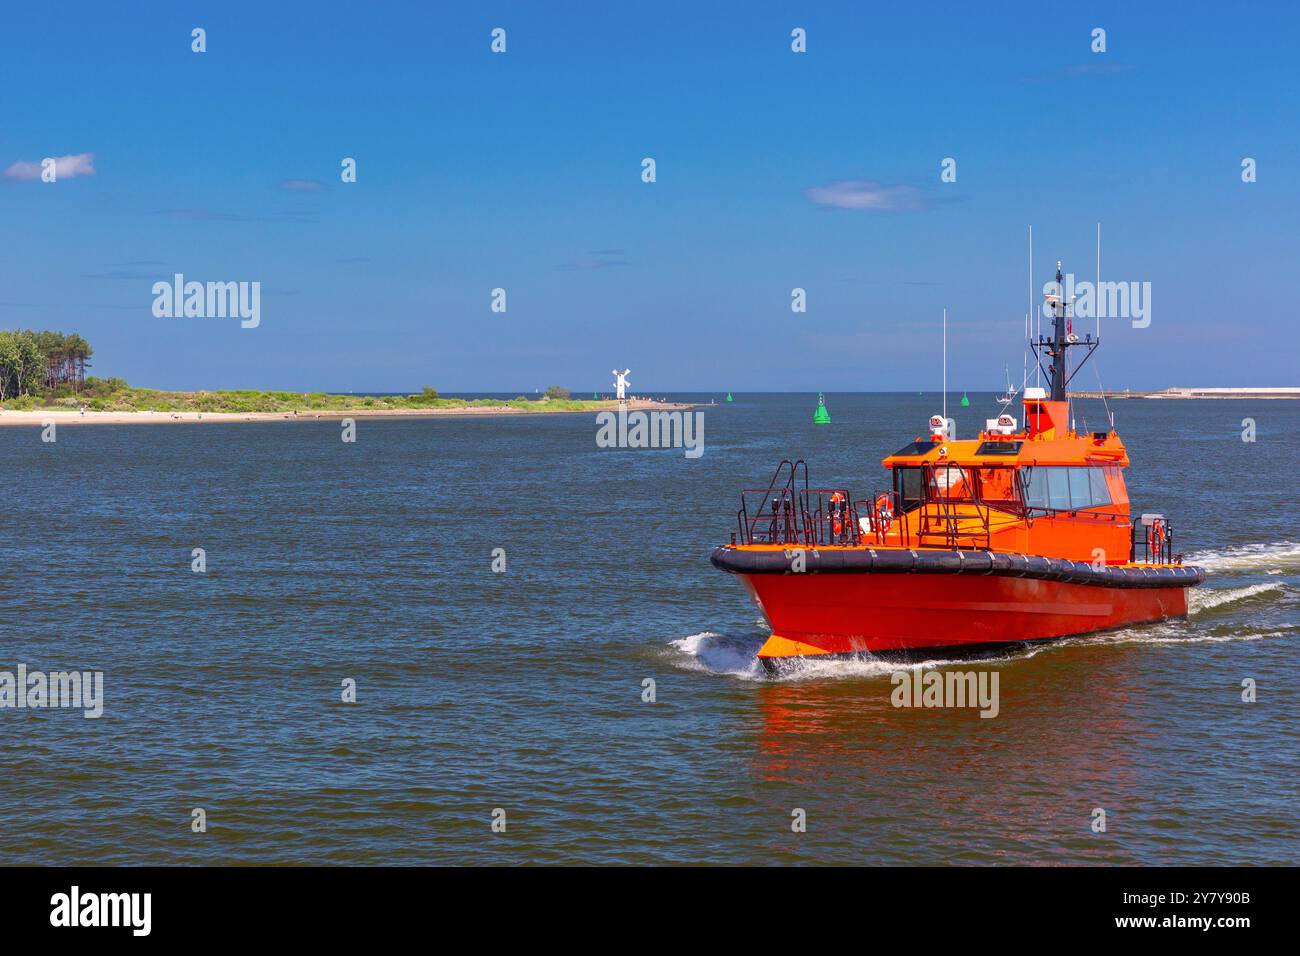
(734, 656)
(1168, 632)
(720, 654)
(1201, 600)
(1276, 558)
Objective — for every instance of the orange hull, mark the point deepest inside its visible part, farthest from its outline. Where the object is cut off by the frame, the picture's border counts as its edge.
(848, 613)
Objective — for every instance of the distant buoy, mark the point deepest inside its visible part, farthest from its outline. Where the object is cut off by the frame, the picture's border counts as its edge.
(594, 396)
(822, 416)
(728, 396)
(965, 402)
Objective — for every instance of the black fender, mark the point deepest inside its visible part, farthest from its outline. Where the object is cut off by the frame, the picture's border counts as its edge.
(944, 561)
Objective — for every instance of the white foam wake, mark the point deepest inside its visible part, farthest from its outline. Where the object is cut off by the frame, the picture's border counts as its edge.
(1280, 555)
(735, 656)
(1200, 600)
(720, 654)
(1159, 633)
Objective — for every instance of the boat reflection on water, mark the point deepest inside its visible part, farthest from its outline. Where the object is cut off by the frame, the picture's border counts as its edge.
(899, 784)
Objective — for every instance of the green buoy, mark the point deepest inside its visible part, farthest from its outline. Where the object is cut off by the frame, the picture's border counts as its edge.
(965, 402)
(822, 416)
(728, 396)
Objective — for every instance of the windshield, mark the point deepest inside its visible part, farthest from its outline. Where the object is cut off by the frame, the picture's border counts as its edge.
(1065, 488)
(997, 485)
(951, 483)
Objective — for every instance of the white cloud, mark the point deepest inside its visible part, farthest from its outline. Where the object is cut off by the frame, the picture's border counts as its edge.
(301, 185)
(868, 195)
(65, 167)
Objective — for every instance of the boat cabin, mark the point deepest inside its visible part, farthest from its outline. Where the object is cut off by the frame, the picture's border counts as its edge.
(1039, 488)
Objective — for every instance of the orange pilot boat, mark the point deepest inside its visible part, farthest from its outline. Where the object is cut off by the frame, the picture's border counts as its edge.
(1022, 534)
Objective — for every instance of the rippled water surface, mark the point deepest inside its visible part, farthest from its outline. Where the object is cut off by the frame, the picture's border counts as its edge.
(522, 690)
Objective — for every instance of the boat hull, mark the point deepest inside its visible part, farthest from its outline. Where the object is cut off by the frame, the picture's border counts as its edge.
(852, 613)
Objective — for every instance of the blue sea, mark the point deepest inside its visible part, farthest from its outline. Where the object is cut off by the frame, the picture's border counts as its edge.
(517, 694)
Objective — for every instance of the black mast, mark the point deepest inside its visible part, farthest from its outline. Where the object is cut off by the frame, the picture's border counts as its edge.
(1058, 369)
(1059, 345)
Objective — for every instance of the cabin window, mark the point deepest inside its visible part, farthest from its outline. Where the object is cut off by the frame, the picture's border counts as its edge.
(997, 485)
(1100, 493)
(1035, 483)
(916, 448)
(908, 483)
(1058, 488)
(1080, 488)
(1065, 488)
(951, 483)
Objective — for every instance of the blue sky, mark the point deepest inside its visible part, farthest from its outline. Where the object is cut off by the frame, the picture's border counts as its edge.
(523, 171)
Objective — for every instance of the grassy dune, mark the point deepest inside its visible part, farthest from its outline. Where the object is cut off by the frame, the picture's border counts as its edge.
(123, 398)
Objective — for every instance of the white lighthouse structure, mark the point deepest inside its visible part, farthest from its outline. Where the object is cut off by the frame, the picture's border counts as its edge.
(620, 382)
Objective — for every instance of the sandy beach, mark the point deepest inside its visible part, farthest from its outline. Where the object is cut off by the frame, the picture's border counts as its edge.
(39, 417)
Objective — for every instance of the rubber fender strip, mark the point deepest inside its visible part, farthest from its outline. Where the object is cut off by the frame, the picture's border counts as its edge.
(869, 560)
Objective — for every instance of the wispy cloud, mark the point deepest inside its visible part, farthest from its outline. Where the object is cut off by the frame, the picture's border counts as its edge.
(597, 259)
(201, 215)
(120, 274)
(65, 167)
(300, 185)
(133, 269)
(295, 214)
(864, 194)
(213, 215)
(136, 307)
(1099, 68)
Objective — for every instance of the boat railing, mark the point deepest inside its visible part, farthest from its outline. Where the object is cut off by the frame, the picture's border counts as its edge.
(1152, 541)
(953, 521)
(883, 514)
(829, 517)
(773, 515)
(947, 523)
(789, 512)
(934, 523)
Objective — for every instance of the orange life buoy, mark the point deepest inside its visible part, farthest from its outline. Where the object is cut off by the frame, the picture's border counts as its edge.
(884, 513)
(1156, 539)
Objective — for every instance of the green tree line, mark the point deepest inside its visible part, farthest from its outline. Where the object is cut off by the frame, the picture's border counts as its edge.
(32, 362)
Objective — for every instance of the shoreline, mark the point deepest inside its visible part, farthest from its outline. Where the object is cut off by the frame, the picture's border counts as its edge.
(1229, 394)
(64, 416)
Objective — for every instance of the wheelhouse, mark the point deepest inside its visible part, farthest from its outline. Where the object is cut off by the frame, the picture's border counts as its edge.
(1040, 489)
(1022, 489)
